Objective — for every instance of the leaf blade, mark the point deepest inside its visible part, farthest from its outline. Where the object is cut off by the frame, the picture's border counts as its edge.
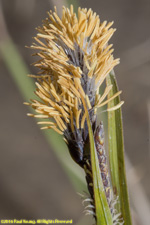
(18, 70)
(103, 213)
(116, 152)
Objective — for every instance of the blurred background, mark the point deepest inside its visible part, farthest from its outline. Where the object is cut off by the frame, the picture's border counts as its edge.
(34, 184)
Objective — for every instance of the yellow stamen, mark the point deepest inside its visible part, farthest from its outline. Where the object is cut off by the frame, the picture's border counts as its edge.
(116, 106)
(77, 118)
(73, 52)
(88, 102)
(83, 121)
(108, 100)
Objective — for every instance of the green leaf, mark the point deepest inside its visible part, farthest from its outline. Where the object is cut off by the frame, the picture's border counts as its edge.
(116, 153)
(17, 67)
(103, 214)
(18, 70)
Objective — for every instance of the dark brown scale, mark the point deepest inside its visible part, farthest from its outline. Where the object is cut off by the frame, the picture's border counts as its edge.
(78, 141)
(99, 143)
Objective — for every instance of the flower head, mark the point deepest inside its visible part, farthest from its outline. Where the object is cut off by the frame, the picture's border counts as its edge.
(75, 59)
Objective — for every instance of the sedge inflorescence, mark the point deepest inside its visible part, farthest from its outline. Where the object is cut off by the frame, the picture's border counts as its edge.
(74, 60)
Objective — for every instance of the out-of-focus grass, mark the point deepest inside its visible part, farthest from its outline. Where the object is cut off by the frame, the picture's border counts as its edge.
(17, 68)
(19, 71)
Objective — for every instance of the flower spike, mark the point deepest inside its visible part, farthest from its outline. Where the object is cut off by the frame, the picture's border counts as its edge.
(74, 61)
(74, 55)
